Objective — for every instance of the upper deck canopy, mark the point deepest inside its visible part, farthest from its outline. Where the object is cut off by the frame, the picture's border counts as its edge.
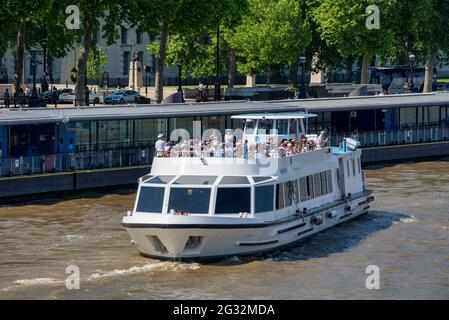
(275, 116)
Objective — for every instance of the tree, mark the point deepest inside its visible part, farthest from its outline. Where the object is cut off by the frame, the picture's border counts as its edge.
(96, 63)
(21, 19)
(430, 29)
(182, 21)
(96, 16)
(272, 33)
(342, 23)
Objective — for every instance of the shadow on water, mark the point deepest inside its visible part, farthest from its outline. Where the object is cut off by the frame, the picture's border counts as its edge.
(57, 197)
(393, 163)
(337, 239)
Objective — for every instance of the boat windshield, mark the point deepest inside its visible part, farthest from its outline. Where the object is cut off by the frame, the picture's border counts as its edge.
(189, 200)
(150, 199)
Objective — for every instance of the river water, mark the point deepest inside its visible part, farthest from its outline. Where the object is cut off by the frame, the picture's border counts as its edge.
(406, 235)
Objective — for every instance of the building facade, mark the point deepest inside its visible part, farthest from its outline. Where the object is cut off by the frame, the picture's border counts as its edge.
(131, 43)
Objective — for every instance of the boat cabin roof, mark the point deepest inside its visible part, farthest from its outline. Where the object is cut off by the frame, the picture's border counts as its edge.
(275, 116)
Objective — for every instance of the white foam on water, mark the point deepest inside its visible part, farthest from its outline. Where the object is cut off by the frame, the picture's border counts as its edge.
(161, 266)
(38, 281)
(34, 282)
(74, 237)
(406, 220)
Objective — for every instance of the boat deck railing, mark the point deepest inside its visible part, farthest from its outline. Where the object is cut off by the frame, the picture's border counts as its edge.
(195, 149)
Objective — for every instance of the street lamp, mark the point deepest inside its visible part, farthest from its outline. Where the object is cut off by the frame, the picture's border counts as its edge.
(217, 76)
(180, 82)
(302, 92)
(411, 58)
(33, 70)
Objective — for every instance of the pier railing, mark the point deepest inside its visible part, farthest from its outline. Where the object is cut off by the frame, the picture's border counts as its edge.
(116, 158)
(391, 137)
(42, 164)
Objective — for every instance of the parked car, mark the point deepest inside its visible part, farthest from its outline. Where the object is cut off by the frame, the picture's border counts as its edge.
(68, 96)
(48, 95)
(122, 97)
(142, 100)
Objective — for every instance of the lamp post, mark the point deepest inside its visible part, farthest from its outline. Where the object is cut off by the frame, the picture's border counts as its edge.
(411, 58)
(147, 72)
(302, 92)
(180, 82)
(217, 76)
(33, 98)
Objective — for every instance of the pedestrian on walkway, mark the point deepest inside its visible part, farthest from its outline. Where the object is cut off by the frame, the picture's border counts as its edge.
(7, 99)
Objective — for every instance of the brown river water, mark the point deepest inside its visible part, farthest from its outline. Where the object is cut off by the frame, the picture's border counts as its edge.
(406, 235)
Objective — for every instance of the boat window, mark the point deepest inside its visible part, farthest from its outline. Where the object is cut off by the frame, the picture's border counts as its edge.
(233, 200)
(261, 179)
(282, 126)
(349, 172)
(353, 167)
(203, 180)
(150, 199)
(303, 189)
(294, 127)
(317, 184)
(189, 200)
(264, 198)
(265, 126)
(160, 179)
(296, 191)
(360, 169)
(147, 178)
(234, 180)
(329, 181)
(288, 193)
(323, 183)
(250, 125)
(310, 193)
(280, 196)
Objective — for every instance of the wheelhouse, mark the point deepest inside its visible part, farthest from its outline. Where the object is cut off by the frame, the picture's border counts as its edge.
(265, 127)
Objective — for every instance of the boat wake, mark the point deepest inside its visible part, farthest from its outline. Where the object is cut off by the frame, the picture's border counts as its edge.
(161, 266)
(99, 274)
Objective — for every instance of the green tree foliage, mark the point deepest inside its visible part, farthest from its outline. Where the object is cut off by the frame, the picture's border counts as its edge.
(342, 23)
(96, 63)
(430, 31)
(272, 33)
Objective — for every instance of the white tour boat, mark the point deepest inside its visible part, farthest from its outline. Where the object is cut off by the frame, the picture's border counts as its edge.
(201, 201)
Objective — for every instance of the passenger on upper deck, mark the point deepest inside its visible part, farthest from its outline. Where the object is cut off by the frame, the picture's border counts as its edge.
(160, 145)
(322, 140)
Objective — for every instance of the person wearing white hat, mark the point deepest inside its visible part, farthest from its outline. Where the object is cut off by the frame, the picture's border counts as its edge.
(160, 145)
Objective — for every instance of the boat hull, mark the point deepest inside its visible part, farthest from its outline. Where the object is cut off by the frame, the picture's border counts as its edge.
(204, 241)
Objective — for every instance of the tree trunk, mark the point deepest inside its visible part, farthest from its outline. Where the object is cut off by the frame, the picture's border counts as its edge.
(80, 87)
(364, 71)
(18, 61)
(349, 73)
(232, 68)
(429, 72)
(268, 75)
(162, 55)
(294, 73)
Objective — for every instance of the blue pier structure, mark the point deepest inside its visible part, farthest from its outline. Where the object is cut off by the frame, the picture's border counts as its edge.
(37, 141)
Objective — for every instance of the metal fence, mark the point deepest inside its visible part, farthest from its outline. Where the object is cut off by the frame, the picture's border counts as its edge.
(396, 137)
(116, 158)
(30, 165)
